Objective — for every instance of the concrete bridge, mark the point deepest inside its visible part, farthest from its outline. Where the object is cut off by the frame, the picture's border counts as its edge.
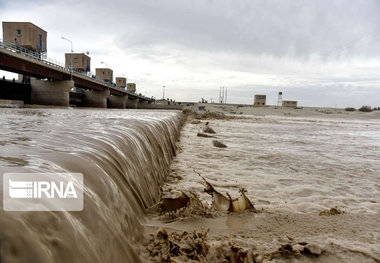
(51, 82)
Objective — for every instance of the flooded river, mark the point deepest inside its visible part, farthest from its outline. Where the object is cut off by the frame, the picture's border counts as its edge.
(123, 156)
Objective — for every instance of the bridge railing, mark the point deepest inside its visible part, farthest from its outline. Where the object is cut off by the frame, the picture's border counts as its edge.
(51, 62)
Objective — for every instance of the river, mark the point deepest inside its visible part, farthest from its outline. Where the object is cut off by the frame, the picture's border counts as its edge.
(123, 155)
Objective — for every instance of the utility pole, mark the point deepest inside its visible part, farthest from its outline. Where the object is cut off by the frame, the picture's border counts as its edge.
(225, 97)
(163, 92)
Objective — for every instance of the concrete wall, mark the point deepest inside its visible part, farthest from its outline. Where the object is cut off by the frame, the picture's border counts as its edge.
(116, 102)
(289, 103)
(159, 107)
(10, 90)
(131, 103)
(56, 93)
(96, 99)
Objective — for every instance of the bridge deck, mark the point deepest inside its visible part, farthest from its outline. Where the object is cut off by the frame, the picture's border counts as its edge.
(16, 61)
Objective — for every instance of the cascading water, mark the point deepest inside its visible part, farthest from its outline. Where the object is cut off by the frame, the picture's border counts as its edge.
(124, 157)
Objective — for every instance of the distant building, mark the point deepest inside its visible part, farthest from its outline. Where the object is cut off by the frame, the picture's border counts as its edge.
(162, 102)
(104, 74)
(289, 103)
(25, 34)
(260, 100)
(121, 82)
(81, 61)
(131, 87)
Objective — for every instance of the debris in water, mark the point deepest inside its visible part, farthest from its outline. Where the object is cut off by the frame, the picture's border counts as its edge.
(201, 134)
(195, 247)
(207, 128)
(222, 203)
(169, 205)
(240, 204)
(333, 211)
(196, 122)
(219, 144)
(219, 201)
(293, 250)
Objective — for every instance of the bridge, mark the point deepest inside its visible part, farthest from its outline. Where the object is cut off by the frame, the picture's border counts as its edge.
(51, 82)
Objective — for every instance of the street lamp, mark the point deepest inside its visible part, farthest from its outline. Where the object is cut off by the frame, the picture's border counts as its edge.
(163, 92)
(71, 57)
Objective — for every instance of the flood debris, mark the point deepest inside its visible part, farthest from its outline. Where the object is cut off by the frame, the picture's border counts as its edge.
(201, 134)
(207, 128)
(182, 247)
(240, 204)
(195, 246)
(171, 205)
(185, 205)
(333, 211)
(294, 250)
(222, 203)
(219, 201)
(196, 122)
(219, 144)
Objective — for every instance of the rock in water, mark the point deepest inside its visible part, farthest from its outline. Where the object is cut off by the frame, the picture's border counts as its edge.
(219, 144)
(207, 128)
(200, 134)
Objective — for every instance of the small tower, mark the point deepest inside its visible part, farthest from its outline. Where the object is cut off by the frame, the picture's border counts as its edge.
(279, 103)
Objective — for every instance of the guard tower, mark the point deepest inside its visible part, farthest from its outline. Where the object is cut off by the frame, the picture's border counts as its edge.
(279, 103)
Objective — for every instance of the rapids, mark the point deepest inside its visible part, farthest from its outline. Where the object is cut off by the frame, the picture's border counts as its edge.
(124, 157)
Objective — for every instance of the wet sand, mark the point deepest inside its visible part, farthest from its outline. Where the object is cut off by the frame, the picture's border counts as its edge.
(296, 165)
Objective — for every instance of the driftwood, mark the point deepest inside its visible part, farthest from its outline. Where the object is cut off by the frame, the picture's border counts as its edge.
(222, 203)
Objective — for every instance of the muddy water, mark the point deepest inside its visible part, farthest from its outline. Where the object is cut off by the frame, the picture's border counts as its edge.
(293, 168)
(124, 157)
(294, 164)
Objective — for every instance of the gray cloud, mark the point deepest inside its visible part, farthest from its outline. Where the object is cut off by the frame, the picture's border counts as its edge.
(308, 48)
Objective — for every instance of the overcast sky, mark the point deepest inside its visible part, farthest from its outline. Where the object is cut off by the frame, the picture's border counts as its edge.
(319, 52)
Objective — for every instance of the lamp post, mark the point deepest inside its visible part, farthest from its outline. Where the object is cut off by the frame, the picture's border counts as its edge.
(71, 57)
(163, 92)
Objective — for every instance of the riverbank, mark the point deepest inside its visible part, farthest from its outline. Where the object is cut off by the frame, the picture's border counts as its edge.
(313, 178)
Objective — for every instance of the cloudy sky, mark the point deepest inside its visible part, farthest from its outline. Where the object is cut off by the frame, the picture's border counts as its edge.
(319, 52)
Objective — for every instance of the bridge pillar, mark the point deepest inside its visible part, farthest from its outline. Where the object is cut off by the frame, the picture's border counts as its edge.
(95, 98)
(131, 103)
(142, 104)
(55, 92)
(116, 102)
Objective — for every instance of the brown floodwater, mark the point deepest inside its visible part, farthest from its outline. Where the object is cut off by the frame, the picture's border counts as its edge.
(124, 156)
